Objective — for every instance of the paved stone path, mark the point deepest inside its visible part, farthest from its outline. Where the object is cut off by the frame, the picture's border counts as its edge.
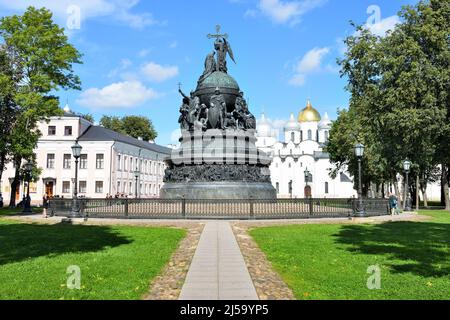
(218, 270)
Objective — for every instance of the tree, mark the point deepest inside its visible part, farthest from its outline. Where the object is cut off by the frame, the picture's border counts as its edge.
(40, 53)
(399, 91)
(8, 108)
(134, 126)
(89, 117)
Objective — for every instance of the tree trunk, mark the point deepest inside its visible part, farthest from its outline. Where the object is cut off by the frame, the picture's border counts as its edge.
(2, 165)
(445, 185)
(15, 184)
(397, 194)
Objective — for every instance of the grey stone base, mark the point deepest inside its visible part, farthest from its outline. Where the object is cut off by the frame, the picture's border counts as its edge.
(218, 190)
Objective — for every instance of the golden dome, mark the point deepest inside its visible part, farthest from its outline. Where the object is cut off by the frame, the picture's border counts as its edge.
(309, 114)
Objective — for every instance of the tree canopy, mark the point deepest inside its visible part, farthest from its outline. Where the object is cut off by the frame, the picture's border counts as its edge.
(134, 126)
(400, 86)
(36, 59)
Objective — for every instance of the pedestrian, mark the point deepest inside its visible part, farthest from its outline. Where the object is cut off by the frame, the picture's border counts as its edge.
(45, 205)
(393, 204)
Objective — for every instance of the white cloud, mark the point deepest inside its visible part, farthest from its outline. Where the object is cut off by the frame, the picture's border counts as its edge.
(144, 52)
(119, 10)
(381, 27)
(173, 45)
(297, 80)
(287, 11)
(311, 62)
(124, 65)
(125, 94)
(159, 73)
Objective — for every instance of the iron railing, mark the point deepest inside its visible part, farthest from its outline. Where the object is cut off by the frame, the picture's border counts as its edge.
(218, 209)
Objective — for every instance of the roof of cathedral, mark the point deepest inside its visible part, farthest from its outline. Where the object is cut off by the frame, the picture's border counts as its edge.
(325, 122)
(292, 124)
(263, 127)
(309, 114)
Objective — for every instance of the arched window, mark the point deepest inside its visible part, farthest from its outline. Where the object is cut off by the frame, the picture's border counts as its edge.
(326, 136)
(301, 135)
(292, 136)
(309, 135)
(326, 187)
(317, 136)
(277, 186)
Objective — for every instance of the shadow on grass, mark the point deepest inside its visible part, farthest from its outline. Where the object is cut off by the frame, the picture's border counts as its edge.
(20, 241)
(418, 247)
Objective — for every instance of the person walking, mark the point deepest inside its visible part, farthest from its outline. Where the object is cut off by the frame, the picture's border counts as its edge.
(393, 204)
(45, 205)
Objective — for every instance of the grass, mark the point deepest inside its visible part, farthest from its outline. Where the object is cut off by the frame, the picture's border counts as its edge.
(116, 262)
(331, 261)
(5, 211)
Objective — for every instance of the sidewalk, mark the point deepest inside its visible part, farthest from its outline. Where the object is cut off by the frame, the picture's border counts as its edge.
(218, 270)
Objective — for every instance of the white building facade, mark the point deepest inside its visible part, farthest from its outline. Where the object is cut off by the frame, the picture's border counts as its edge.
(302, 150)
(107, 165)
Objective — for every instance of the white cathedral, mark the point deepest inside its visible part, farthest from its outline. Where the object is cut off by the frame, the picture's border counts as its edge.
(300, 152)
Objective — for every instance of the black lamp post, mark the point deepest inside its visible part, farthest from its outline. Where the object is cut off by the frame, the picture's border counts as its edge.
(26, 199)
(136, 176)
(407, 201)
(359, 152)
(76, 151)
(307, 174)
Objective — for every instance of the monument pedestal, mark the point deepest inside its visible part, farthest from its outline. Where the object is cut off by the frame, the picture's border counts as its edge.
(218, 190)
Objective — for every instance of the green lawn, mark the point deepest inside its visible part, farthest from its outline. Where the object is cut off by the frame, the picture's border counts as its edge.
(115, 262)
(5, 211)
(331, 261)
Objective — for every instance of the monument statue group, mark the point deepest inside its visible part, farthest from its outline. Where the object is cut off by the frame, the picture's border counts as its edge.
(217, 157)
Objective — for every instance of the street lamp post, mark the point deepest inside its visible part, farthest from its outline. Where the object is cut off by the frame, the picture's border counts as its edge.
(26, 199)
(359, 152)
(76, 151)
(307, 174)
(136, 176)
(406, 202)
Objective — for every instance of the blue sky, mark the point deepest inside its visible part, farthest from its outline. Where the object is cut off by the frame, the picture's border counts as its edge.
(136, 52)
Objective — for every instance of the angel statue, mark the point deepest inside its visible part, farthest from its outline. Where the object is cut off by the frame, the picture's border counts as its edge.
(223, 47)
(210, 66)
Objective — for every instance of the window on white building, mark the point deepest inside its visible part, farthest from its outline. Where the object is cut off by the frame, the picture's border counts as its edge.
(83, 161)
(67, 158)
(277, 186)
(68, 130)
(292, 136)
(99, 161)
(326, 187)
(82, 187)
(131, 164)
(309, 135)
(98, 186)
(51, 130)
(326, 136)
(50, 161)
(130, 189)
(118, 186)
(66, 187)
(119, 162)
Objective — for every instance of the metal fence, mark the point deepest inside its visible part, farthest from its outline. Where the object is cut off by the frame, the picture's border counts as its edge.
(217, 209)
